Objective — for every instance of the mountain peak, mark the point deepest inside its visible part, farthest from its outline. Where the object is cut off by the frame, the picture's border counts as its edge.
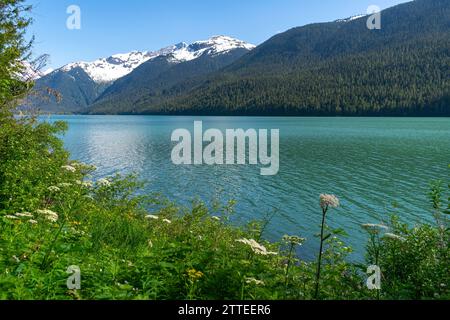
(105, 70)
(213, 46)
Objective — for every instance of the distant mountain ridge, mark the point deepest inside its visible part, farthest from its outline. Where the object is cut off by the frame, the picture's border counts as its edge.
(81, 83)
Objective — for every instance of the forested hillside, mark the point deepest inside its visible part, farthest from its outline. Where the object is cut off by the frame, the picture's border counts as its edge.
(337, 68)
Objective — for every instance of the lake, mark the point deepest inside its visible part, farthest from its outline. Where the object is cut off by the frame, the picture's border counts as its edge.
(376, 166)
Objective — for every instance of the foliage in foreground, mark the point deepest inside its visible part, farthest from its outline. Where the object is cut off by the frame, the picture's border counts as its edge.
(53, 217)
(142, 247)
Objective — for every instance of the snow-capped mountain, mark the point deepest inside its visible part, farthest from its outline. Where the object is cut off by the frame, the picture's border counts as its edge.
(213, 46)
(106, 70)
(112, 68)
(81, 84)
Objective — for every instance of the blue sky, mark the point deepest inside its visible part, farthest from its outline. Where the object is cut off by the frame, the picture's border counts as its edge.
(113, 26)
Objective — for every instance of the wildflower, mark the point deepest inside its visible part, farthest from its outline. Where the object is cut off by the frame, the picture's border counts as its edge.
(294, 240)
(32, 221)
(216, 218)
(167, 221)
(254, 281)
(48, 214)
(329, 201)
(82, 166)
(54, 189)
(24, 215)
(194, 275)
(256, 247)
(104, 182)
(394, 237)
(87, 184)
(64, 185)
(374, 228)
(151, 216)
(11, 217)
(69, 168)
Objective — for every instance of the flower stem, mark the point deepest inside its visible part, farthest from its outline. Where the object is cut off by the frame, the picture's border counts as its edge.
(319, 262)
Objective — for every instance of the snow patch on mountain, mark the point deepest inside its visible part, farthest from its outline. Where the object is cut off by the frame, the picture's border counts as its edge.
(352, 18)
(107, 70)
(213, 46)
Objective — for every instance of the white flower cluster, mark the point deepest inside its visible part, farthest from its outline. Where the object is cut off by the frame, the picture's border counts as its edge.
(153, 217)
(54, 189)
(376, 229)
(394, 237)
(329, 201)
(69, 168)
(256, 247)
(254, 281)
(64, 185)
(104, 182)
(21, 215)
(83, 166)
(48, 214)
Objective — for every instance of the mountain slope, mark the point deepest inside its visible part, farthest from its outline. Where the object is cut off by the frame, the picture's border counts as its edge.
(80, 84)
(74, 86)
(336, 68)
(170, 74)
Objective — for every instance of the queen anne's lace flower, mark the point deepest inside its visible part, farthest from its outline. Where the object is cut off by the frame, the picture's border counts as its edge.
(256, 247)
(394, 237)
(374, 228)
(254, 281)
(24, 215)
(64, 185)
(104, 182)
(54, 189)
(372, 225)
(69, 168)
(48, 214)
(151, 216)
(87, 184)
(329, 201)
(82, 166)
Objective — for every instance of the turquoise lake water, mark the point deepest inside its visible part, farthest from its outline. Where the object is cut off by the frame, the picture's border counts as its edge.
(376, 166)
